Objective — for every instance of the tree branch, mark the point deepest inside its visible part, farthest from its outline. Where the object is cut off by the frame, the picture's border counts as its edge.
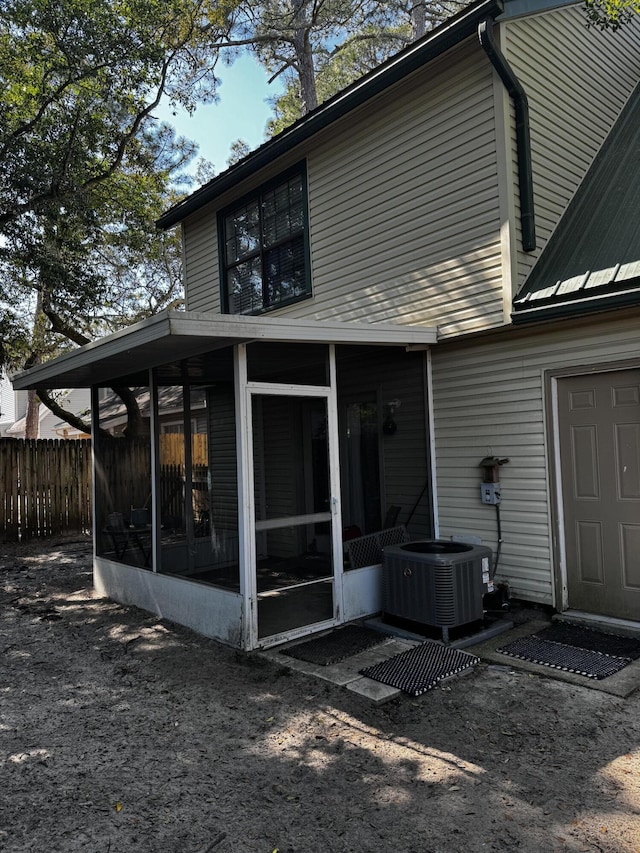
(64, 415)
(59, 326)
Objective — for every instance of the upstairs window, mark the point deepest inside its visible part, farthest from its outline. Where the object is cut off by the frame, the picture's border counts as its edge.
(264, 248)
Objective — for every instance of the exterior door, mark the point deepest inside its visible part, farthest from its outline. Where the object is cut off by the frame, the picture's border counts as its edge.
(295, 511)
(599, 430)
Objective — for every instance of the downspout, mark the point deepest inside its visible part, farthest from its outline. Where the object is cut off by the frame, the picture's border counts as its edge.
(523, 137)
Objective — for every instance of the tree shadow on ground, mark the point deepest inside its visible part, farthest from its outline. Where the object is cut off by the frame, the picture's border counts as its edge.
(123, 732)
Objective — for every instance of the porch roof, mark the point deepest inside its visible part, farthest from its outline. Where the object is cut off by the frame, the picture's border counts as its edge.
(174, 335)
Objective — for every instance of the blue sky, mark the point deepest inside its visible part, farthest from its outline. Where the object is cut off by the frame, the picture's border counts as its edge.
(240, 113)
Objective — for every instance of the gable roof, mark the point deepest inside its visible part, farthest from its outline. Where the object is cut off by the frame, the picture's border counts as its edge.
(453, 31)
(592, 259)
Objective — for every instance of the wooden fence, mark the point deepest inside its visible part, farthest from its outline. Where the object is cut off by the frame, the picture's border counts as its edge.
(45, 484)
(45, 488)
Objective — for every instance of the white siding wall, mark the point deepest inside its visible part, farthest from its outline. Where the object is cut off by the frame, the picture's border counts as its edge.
(7, 401)
(403, 193)
(403, 204)
(577, 80)
(489, 398)
(200, 241)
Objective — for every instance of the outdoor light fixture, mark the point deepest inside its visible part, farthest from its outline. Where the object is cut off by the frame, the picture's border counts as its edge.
(389, 426)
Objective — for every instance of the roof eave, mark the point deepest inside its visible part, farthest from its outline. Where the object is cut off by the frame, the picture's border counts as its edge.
(576, 308)
(175, 335)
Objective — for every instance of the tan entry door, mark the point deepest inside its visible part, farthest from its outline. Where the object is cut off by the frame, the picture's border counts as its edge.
(599, 424)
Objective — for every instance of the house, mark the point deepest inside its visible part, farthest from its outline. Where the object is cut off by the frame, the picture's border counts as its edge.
(75, 400)
(437, 268)
(114, 412)
(7, 403)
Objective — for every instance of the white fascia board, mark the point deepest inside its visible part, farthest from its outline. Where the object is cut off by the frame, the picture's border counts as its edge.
(284, 329)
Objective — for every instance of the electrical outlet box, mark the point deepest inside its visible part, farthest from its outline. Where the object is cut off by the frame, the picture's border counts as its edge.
(490, 493)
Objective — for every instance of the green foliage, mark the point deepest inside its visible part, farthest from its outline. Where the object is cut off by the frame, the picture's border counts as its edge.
(239, 150)
(336, 70)
(84, 167)
(611, 14)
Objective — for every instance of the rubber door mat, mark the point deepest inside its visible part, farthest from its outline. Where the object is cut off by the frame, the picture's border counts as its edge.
(592, 639)
(340, 644)
(562, 656)
(421, 668)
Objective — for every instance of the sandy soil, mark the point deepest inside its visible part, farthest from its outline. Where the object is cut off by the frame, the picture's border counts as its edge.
(119, 732)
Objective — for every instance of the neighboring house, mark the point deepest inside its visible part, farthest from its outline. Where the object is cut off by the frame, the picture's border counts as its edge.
(77, 401)
(114, 418)
(425, 271)
(7, 404)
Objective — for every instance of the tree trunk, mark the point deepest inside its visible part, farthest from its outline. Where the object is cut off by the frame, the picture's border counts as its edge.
(32, 420)
(304, 58)
(134, 418)
(72, 419)
(135, 423)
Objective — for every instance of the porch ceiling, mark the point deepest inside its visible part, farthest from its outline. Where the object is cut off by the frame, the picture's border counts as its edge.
(175, 335)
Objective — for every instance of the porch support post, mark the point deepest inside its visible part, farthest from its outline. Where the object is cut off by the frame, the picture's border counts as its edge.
(95, 438)
(155, 472)
(246, 535)
(334, 475)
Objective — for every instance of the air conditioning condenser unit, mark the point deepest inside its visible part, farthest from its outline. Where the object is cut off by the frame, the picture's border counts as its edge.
(436, 582)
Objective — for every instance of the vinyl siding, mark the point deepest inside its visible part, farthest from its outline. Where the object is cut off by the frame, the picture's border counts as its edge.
(222, 460)
(567, 72)
(7, 401)
(489, 399)
(403, 204)
(403, 208)
(200, 241)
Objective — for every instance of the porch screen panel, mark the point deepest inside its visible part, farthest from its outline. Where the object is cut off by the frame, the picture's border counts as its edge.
(123, 477)
(221, 528)
(289, 363)
(174, 428)
(198, 483)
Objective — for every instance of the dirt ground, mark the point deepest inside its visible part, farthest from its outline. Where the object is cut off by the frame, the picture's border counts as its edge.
(120, 732)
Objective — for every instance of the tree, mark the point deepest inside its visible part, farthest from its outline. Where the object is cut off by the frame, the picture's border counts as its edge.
(239, 150)
(611, 14)
(285, 35)
(84, 167)
(320, 46)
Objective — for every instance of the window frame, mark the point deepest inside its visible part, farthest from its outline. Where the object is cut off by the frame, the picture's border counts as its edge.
(299, 169)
